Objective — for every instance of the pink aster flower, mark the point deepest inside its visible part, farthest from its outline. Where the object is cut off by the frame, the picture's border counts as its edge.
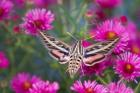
(110, 30)
(134, 46)
(132, 29)
(128, 66)
(5, 8)
(4, 62)
(119, 88)
(108, 3)
(44, 87)
(22, 82)
(37, 20)
(88, 87)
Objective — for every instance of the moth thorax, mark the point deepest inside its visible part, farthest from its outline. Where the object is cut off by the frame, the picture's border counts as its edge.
(73, 67)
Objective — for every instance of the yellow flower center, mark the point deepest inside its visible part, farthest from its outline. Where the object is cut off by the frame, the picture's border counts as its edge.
(38, 23)
(89, 90)
(128, 68)
(111, 35)
(27, 85)
(136, 49)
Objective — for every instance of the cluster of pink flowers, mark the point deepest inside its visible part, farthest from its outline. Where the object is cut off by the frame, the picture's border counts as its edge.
(25, 83)
(37, 20)
(126, 54)
(118, 88)
(111, 29)
(94, 87)
(125, 59)
(88, 87)
(44, 87)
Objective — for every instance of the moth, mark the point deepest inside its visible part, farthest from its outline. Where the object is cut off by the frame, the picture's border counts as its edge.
(76, 55)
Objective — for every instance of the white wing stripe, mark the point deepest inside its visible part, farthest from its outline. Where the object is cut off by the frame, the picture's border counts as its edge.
(50, 42)
(105, 47)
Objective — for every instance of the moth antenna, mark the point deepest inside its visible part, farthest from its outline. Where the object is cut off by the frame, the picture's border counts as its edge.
(72, 36)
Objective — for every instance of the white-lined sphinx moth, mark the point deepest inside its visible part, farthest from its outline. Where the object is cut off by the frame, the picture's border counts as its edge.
(76, 54)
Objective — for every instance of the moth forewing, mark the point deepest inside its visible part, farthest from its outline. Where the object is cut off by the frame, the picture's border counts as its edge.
(103, 47)
(97, 53)
(57, 49)
(52, 43)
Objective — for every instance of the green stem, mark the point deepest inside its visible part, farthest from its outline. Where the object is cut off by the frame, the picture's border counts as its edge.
(11, 55)
(24, 61)
(63, 19)
(137, 88)
(4, 27)
(81, 12)
(102, 81)
(73, 6)
(108, 77)
(86, 27)
(4, 90)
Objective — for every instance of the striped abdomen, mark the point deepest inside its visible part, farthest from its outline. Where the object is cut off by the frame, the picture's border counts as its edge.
(74, 65)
